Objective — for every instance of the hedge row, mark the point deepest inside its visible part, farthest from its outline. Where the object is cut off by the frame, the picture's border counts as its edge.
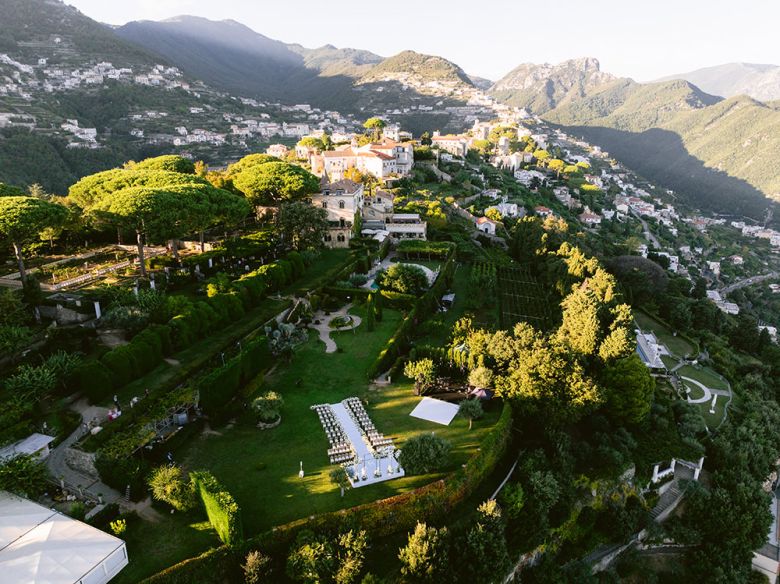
(223, 384)
(119, 366)
(392, 299)
(221, 508)
(415, 248)
(433, 502)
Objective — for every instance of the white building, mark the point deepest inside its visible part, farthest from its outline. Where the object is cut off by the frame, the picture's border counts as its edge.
(486, 225)
(455, 144)
(343, 200)
(508, 209)
(382, 160)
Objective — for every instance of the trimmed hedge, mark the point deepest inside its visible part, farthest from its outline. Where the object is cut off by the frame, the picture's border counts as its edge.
(223, 384)
(432, 503)
(392, 299)
(221, 508)
(93, 378)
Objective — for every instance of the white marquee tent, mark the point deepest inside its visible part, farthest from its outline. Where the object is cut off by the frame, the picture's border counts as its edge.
(42, 546)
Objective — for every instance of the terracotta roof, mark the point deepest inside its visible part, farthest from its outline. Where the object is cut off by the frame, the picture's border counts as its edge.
(482, 220)
(347, 152)
(347, 185)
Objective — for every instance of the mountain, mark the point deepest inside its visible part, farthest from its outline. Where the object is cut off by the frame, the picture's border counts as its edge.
(418, 70)
(330, 61)
(480, 82)
(224, 54)
(761, 82)
(721, 153)
(541, 88)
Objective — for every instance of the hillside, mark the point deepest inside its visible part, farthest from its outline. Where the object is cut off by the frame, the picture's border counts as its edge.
(331, 61)
(58, 67)
(418, 70)
(224, 54)
(720, 152)
(50, 29)
(761, 82)
(541, 88)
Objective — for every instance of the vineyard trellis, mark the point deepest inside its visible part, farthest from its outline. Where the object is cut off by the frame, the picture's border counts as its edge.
(521, 298)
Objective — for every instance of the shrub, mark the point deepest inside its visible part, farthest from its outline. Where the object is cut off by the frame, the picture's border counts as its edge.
(221, 508)
(268, 406)
(404, 278)
(220, 386)
(23, 475)
(425, 557)
(118, 527)
(424, 453)
(317, 558)
(256, 567)
(169, 486)
(78, 511)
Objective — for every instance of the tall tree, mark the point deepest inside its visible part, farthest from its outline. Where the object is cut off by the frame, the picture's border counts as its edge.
(374, 126)
(302, 226)
(23, 218)
(275, 182)
(151, 213)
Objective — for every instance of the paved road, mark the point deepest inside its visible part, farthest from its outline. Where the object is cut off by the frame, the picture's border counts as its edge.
(646, 228)
(748, 282)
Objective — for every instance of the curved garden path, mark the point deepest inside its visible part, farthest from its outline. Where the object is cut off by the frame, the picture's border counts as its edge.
(324, 329)
(707, 391)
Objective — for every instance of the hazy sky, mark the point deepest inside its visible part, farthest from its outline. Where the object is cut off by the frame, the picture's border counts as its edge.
(643, 39)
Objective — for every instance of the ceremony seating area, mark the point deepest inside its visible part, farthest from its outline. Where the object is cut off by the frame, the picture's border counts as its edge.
(358, 413)
(341, 450)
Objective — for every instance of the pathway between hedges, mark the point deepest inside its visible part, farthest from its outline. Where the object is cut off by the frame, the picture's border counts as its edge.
(73, 479)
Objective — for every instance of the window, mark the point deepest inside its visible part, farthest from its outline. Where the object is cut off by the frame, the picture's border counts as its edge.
(341, 204)
(328, 237)
(341, 237)
(324, 204)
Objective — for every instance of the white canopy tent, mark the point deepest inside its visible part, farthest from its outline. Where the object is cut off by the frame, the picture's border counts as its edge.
(42, 546)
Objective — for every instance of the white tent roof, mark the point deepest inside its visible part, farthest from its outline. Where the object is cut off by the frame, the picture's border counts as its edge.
(41, 546)
(30, 445)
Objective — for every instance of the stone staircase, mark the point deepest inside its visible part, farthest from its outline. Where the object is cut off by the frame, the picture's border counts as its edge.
(671, 497)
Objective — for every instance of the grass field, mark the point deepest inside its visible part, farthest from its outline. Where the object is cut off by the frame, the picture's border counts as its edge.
(152, 547)
(676, 344)
(260, 468)
(704, 375)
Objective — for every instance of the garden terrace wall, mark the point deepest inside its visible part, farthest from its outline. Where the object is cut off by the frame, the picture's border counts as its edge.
(433, 502)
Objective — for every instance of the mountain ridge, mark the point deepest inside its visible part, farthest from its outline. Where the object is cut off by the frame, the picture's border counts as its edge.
(759, 81)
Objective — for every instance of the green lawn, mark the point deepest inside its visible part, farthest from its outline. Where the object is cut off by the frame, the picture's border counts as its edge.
(436, 330)
(152, 547)
(703, 375)
(669, 361)
(676, 344)
(696, 391)
(714, 420)
(260, 468)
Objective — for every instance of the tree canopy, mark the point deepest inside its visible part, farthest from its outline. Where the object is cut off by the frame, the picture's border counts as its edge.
(302, 226)
(272, 183)
(249, 161)
(168, 162)
(23, 218)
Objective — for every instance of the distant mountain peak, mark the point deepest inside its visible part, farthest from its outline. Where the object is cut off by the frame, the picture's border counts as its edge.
(541, 88)
(759, 81)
